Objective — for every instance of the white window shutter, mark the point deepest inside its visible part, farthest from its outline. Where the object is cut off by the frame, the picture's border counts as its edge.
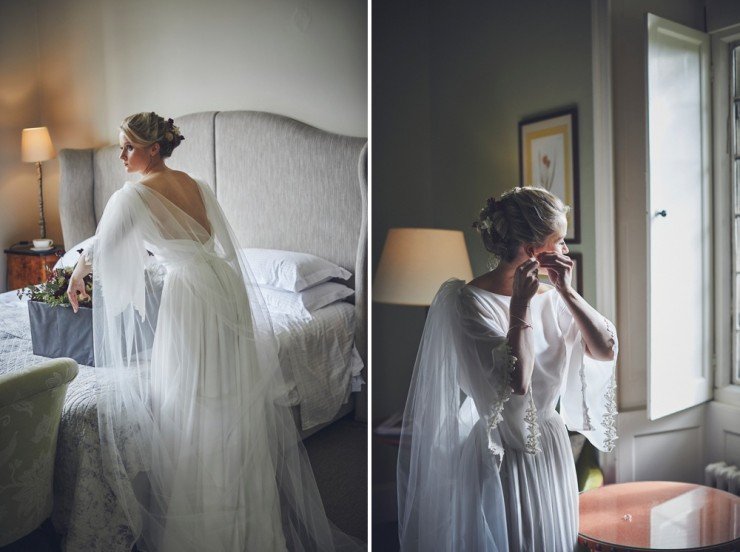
(679, 218)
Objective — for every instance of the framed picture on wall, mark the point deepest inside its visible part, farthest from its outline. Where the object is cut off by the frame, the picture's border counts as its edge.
(576, 273)
(548, 157)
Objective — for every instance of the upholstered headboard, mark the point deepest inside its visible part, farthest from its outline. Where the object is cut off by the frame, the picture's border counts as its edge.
(282, 184)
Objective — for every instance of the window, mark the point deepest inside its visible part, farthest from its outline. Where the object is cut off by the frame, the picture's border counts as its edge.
(726, 188)
(734, 130)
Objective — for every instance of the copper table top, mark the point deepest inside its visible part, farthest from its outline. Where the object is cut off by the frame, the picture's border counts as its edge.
(659, 515)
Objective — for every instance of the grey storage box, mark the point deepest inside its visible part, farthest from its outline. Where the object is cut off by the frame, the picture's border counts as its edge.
(60, 332)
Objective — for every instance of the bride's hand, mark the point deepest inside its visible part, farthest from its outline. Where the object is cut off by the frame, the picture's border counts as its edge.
(76, 286)
(559, 269)
(526, 282)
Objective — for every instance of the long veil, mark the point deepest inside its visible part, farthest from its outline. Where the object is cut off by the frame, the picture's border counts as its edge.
(441, 484)
(198, 444)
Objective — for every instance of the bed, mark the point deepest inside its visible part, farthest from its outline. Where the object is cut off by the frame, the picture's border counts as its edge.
(268, 172)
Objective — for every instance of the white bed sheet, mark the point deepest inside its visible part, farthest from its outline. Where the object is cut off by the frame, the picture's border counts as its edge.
(319, 360)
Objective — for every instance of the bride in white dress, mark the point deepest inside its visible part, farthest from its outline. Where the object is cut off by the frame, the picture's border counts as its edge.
(485, 462)
(198, 445)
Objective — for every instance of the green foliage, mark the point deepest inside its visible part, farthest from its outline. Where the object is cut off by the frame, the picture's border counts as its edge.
(54, 290)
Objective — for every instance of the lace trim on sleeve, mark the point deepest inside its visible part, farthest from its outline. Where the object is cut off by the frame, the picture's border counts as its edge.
(502, 392)
(610, 416)
(532, 446)
(587, 426)
(609, 419)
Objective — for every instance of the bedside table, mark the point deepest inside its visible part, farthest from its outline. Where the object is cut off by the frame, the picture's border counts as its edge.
(27, 267)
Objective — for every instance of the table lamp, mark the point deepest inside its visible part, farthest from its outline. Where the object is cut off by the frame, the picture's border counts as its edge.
(36, 147)
(415, 262)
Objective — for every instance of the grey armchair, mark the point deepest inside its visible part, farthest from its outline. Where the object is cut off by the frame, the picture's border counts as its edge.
(30, 411)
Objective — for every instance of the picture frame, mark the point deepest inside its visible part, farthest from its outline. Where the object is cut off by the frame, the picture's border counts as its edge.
(548, 157)
(576, 273)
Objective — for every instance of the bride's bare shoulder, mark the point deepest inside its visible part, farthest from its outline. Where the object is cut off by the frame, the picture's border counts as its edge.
(171, 179)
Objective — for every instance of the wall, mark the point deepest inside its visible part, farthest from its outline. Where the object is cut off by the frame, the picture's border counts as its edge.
(99, 61)
(451, 81)
(495, 64)
(721, 14)
(401, 196)
(19, 108)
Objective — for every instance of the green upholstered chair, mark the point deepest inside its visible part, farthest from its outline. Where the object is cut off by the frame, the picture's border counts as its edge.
(30, 411)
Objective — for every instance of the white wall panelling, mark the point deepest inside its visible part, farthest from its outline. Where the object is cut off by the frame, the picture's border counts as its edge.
(669, 449)
(723, 433)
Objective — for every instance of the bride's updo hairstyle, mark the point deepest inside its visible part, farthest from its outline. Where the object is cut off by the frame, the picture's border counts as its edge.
(521, 216)
(146, 129)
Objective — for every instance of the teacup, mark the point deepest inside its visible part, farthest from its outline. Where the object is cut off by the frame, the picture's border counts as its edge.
(43, 244)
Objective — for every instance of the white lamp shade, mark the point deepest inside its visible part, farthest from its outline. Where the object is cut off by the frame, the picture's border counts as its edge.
(36, 145)
(415, 262)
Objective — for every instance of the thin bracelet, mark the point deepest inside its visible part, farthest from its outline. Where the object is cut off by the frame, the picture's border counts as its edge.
(524, 322)
(523, 326)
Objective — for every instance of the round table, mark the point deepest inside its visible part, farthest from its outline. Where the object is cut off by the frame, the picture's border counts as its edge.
(659, 515)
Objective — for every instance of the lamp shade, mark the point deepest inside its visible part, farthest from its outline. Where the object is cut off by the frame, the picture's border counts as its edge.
(415, 262)
(36, 145)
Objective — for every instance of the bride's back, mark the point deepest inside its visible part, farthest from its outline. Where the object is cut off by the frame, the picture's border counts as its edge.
(181, 190)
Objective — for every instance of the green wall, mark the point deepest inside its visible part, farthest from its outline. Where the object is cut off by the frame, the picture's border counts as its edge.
(494, 65)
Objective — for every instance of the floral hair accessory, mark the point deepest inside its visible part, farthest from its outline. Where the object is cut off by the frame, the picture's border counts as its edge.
(485, 222)
(172, 132)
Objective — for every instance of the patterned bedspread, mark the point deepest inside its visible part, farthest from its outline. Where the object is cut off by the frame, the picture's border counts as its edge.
(85, 510)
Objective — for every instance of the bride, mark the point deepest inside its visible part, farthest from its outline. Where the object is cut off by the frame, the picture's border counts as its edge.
(495, 471)
(198, 445)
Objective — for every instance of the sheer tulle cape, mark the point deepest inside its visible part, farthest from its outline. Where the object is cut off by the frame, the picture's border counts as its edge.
(197, 444)
(450, 493)
(434, 512)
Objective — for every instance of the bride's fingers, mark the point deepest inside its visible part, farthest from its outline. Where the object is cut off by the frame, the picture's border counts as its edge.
(527, 265)
(559, 263)
(550, 258)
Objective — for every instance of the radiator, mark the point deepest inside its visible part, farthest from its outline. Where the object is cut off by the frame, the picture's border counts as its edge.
(722, 476)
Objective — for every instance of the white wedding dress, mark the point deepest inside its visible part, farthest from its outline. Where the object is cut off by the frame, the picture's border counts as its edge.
(198, 445)
(479, 467)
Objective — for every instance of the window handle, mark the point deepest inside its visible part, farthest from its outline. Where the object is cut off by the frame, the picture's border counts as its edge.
(662, 213)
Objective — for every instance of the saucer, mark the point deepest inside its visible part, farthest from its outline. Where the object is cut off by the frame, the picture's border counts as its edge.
(42, 248)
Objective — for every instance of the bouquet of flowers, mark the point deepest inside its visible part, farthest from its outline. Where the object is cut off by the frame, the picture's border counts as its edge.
(54, 291)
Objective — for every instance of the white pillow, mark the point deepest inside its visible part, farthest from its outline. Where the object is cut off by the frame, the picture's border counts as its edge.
(290, 270)
(302, 304)
(69, 259)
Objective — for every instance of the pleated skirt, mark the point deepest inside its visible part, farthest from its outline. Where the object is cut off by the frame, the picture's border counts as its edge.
(541, 493)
